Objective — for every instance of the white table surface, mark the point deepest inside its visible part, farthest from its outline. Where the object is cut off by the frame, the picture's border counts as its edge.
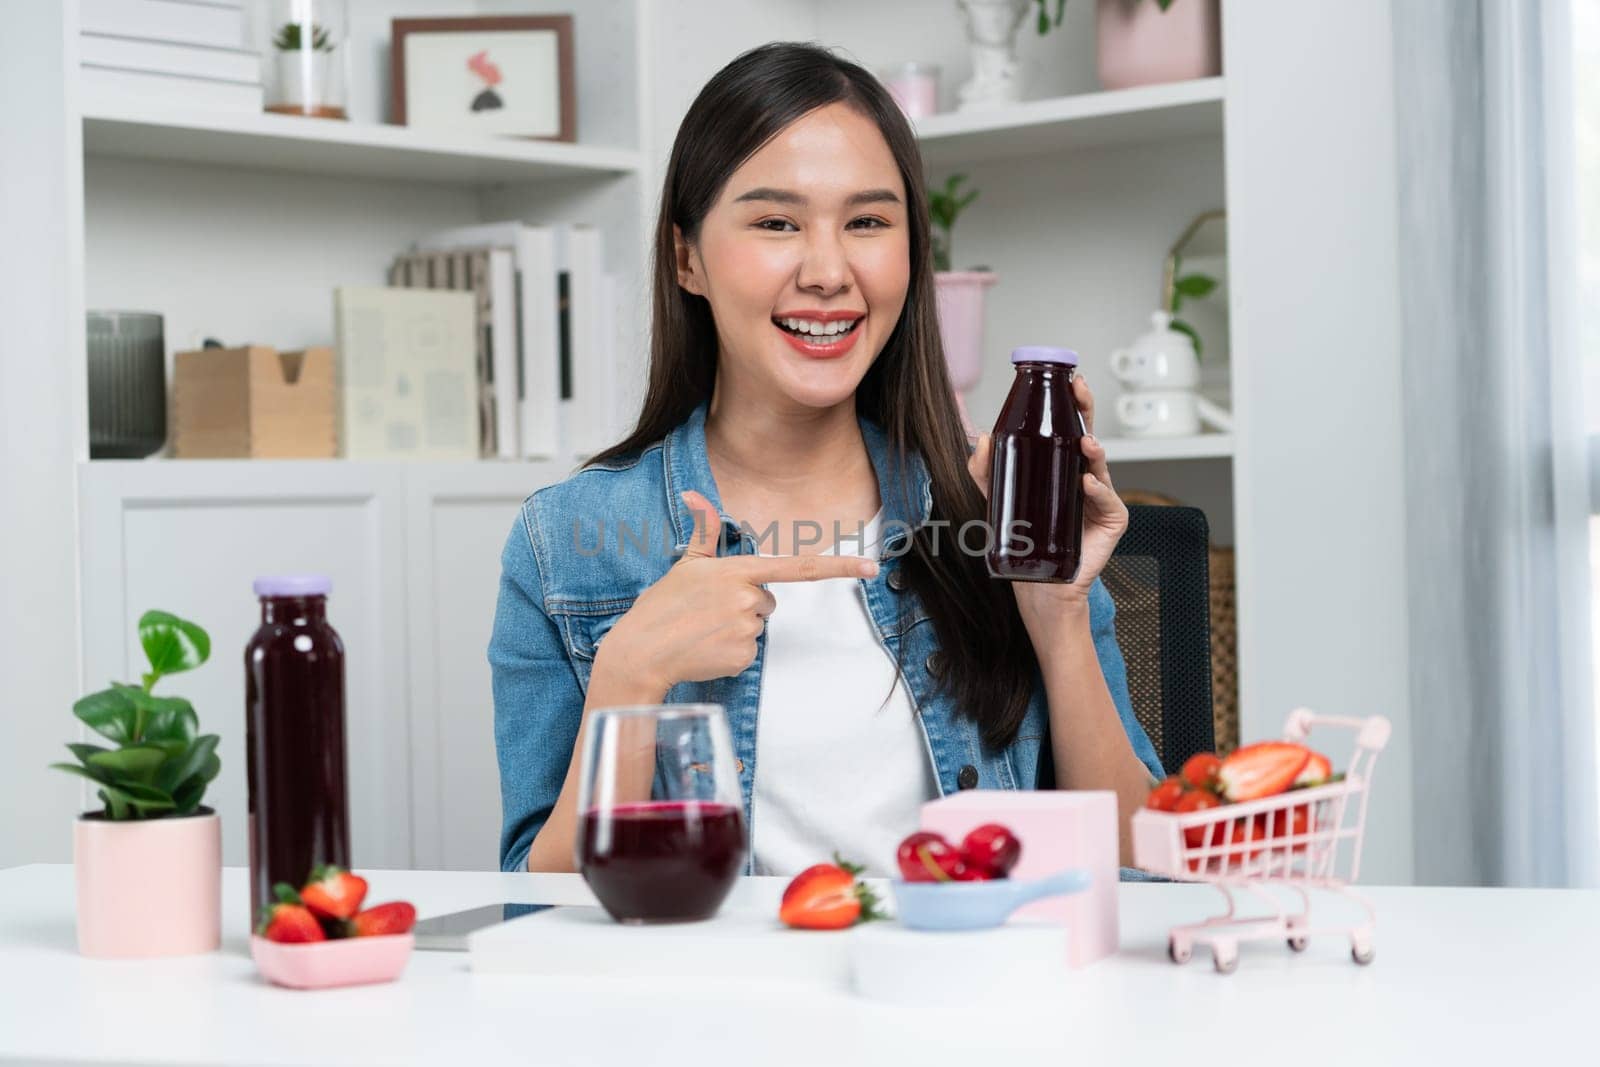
(1461, 976)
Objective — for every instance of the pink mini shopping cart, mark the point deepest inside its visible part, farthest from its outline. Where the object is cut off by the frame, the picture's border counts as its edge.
(1301, 840)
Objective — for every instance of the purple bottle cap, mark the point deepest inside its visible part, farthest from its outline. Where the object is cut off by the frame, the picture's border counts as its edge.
(1044, 354)
(293, 585)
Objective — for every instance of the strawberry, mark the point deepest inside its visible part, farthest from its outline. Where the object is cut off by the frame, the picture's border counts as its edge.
(396, 917)
(1165, 796)
(1196, 800)
(827, 896)
(1317, 771)
(289, 923)
(1294, 823)
(1241, 831)
(1263, 769)
(334, 893)
(1200, 771)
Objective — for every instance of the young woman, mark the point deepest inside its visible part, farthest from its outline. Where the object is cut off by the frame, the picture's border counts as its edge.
(778, 533)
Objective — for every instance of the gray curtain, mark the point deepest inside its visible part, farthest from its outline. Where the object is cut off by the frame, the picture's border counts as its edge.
(1503, 730)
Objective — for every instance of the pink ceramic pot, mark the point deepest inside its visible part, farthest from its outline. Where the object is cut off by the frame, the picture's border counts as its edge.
(1139, 44)
(149, 887)
(960, 295)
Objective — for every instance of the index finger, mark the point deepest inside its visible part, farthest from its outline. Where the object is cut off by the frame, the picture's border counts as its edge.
(762, 569)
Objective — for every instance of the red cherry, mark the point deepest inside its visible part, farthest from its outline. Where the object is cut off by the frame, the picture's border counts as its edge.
(991, 848)
(973, 873)
(927, 857)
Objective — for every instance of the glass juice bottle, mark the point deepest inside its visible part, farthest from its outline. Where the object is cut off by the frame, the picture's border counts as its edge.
(1036, 471)
(294, 736)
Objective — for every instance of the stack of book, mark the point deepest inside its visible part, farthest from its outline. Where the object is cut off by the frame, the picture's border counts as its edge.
(547, 340)
(188, 54)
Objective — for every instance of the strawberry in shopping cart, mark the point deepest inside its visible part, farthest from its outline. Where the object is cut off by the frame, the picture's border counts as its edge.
(1200, 771)
(1317, 771)
(1292, 824)
(1241, 831)
(1196, 800)
(1165, 796)
(1263, 769)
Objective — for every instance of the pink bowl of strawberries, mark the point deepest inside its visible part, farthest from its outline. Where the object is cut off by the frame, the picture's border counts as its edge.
(319, 936)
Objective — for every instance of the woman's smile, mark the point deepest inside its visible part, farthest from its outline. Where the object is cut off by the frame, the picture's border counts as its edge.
(820, 334)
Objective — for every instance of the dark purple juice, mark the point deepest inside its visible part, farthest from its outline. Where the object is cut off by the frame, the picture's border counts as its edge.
(1036, 472)
(662, 861)
(294, 738)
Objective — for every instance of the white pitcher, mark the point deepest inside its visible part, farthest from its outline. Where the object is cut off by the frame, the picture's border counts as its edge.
(1161, 359)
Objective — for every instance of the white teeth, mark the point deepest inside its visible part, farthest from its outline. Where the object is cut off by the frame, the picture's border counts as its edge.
(819, 329)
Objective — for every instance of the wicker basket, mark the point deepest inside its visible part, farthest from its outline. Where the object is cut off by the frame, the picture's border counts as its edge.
(1224, 633)
(1224, 650)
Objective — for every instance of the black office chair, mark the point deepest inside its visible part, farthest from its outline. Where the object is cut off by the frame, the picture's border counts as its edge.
(1159, 578)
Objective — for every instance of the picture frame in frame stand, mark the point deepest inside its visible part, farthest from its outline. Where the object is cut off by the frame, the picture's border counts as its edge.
(506, 76)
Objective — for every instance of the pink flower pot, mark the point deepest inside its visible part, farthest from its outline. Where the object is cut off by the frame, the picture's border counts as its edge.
(960, 303)
(1139, 44)
(148, 887)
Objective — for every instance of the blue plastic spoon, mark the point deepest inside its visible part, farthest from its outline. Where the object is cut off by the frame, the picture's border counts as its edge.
(977, 905)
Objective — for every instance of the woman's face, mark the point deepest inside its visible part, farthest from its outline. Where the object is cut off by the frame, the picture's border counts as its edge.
(805, 259)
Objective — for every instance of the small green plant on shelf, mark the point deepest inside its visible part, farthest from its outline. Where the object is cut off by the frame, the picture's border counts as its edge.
(162, 763)
(945, 205)
(290, 38)
(1045, 22)
(1189, 287)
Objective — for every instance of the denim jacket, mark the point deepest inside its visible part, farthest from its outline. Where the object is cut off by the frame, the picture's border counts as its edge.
(567, 577)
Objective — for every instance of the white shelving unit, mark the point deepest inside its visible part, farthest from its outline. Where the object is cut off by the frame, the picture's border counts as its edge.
(1147, 114)
(1157, 449)
(240, 227)
(282, 143)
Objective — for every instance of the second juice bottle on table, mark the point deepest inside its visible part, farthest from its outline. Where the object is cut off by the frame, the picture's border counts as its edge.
(294, 737)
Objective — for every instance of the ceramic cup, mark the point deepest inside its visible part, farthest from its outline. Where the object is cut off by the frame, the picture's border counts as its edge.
(1159, 413)
(915, 87)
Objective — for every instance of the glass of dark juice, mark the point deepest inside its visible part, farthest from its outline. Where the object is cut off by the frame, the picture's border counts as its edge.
(661, 835)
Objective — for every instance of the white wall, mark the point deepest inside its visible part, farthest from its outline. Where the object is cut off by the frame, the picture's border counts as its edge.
(41, 375)
(1312, 199)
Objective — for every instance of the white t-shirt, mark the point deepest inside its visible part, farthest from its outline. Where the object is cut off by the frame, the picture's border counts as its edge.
(838, 767)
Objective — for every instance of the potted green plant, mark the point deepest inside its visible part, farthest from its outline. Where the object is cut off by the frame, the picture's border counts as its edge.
(303, 56)
(1044, 23)
(960, 293)
(148, 865)
(1193, 286)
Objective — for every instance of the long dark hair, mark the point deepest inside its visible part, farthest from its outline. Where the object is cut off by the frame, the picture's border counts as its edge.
(986, 661)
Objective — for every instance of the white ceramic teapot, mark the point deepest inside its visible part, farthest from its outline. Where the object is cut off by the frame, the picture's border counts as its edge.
(1159, 413)
(1161, 359)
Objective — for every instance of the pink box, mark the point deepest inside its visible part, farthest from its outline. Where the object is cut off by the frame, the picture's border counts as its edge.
(1058, 829)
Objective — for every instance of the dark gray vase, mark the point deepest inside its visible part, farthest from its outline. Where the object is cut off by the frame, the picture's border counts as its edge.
(127, 385)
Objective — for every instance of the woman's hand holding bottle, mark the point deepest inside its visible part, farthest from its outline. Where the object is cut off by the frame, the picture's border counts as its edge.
(702, 618)
(1105, 518)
